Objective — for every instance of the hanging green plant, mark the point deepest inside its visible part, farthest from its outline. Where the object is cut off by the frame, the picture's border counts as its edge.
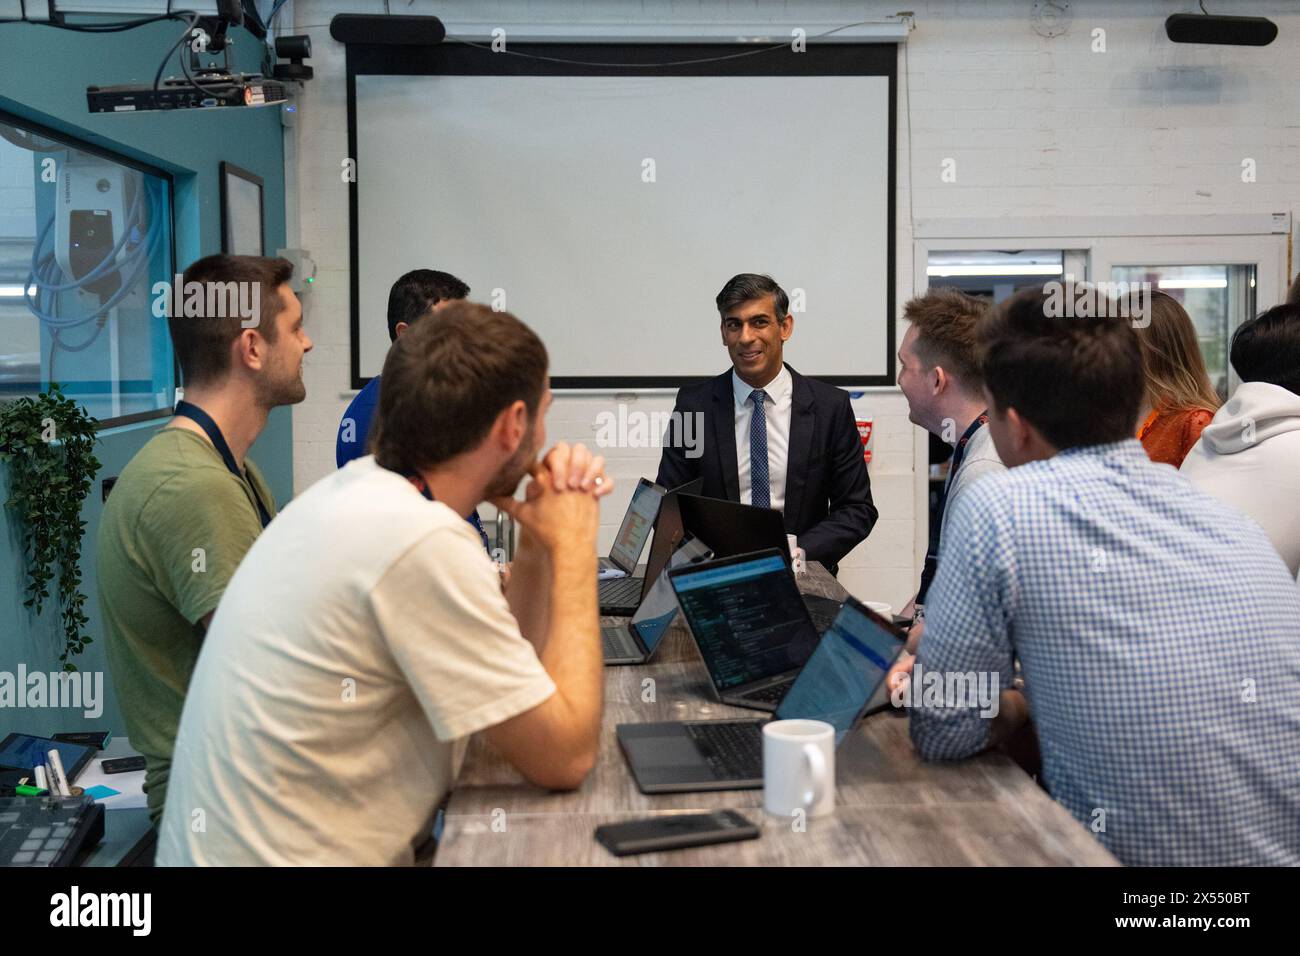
(48, 444)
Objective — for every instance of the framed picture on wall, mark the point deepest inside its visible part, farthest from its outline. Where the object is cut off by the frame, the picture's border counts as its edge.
(242, 217)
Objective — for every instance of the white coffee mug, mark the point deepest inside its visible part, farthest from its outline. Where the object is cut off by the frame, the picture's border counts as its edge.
(798, 557)
(884, 610)
(798, 767)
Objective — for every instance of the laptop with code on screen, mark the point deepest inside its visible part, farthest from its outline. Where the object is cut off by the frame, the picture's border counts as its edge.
(750, 624)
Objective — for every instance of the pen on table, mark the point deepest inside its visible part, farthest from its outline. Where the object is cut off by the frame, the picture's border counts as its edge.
(47, 774)
(58, 777)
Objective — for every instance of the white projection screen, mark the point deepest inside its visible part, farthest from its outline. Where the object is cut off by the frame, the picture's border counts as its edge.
(606, 211)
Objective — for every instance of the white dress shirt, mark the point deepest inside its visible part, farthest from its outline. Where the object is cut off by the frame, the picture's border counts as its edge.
(776, 411)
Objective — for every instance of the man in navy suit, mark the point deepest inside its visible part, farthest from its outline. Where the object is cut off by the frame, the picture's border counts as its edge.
(771, 437)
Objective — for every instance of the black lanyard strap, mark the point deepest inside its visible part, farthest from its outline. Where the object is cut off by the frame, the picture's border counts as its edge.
(422, 487)
(932, 555)
(201, 418)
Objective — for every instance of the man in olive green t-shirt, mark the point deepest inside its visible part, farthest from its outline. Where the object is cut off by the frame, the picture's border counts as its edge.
(189, 505)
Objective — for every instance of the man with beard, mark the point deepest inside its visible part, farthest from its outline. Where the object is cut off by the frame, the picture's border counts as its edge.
(189, 505)
(365, 637)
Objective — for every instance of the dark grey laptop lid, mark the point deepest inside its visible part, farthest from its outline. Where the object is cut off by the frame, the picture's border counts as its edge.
(731, 528)
(667, 533)
(658, 609)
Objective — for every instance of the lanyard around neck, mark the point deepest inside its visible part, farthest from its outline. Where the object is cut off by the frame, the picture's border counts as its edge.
(960, 451)
(422, 487)
(931, 565)
(204, 420)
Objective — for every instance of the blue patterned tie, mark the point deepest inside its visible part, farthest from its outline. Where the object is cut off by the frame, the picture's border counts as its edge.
(759, 485)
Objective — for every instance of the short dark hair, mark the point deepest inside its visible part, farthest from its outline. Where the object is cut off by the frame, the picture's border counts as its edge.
(415, 293)
(947, 321)
(748, 286)
(447, 379)
(1267, 348)
(1078, 381)
(202, 343)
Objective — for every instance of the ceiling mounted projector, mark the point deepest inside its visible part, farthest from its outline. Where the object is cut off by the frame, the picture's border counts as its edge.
(1227, 31)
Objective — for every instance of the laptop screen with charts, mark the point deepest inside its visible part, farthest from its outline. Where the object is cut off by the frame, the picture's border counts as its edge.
(747, 618)
(637, 522)
(840, 679)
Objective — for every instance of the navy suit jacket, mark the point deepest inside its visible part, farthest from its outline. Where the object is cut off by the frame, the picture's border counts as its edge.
(827, 491)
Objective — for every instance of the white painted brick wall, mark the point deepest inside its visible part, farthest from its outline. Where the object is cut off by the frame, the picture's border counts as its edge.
(1038, 127)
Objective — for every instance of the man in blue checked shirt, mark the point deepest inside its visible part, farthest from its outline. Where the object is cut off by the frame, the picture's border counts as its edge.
(1157, 629)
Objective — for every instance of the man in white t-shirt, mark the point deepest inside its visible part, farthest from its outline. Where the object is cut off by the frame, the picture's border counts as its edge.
(939, 376)
(366, 636)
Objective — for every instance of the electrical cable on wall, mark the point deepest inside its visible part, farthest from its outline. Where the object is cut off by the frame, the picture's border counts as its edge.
(127, 259)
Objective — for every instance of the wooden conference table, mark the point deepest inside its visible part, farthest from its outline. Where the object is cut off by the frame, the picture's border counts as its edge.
(891, 808)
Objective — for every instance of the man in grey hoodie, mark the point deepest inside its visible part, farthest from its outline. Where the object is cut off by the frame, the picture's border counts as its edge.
(1249, 455)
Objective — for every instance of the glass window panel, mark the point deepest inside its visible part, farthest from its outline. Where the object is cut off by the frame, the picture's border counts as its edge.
(992, 274)
(83, 240)
(1217, 297)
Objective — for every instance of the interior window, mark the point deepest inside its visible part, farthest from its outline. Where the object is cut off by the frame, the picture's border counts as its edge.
(84, 239)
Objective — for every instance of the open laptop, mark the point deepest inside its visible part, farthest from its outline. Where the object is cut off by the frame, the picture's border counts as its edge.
(731, 528)
(668, 532)
(620, 597)
(634, 532)
(636, 641)
(750, 623)
(837, 684)
(624, 591)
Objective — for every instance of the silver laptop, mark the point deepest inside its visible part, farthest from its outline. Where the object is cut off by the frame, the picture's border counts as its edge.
(621, 594)
(636, 641)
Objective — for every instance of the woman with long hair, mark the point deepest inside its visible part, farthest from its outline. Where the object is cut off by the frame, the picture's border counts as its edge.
(1179, 399)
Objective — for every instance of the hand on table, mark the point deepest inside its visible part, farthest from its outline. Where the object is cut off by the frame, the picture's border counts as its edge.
(914, 635)
(899, 676)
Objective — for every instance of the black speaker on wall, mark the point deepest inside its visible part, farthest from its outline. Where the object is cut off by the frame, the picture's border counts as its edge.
(1226, 31)
(387, 31)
